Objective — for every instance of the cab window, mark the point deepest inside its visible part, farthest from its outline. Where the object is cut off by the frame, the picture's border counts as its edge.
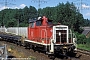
(49, 22)
(31, 24)
(38, 23)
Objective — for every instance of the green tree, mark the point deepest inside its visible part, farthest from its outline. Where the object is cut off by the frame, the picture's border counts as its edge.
(32, 12)
(81, 39)
(65, 13)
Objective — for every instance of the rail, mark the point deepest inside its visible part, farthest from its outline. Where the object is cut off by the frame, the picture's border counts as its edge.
(83, 51)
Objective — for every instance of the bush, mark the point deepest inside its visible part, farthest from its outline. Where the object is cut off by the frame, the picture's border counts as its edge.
(81, 39)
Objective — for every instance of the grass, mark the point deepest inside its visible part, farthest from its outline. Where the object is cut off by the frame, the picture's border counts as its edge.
(17, 53)
(84, 46)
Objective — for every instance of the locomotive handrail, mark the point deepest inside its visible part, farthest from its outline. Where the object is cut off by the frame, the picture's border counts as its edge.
(50, 41)
(71, 35)
(75, 39)
(45, 35)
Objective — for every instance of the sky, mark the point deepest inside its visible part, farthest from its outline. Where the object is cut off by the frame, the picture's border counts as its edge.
(85, 4)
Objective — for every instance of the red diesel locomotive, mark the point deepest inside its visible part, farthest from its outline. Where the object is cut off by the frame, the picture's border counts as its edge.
(49, 38)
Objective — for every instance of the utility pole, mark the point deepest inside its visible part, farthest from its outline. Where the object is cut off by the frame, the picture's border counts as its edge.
(81, 3)
(81, 6)
(5, 4)
(39, 4)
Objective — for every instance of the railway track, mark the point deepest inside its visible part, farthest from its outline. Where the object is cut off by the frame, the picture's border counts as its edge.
(86, 52)
(81, 54)
(30, 52)
(26, 52)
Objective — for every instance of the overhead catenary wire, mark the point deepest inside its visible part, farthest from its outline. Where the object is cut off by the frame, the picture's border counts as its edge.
(81, 4)
(39, 5)
(39, 2)
(6, 3)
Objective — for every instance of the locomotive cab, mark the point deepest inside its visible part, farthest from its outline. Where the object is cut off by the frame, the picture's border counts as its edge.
(40, 22)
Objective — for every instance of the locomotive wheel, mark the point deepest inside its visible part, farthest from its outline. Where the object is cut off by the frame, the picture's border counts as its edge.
(64, 53)
(34, 48)
(30, 47)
